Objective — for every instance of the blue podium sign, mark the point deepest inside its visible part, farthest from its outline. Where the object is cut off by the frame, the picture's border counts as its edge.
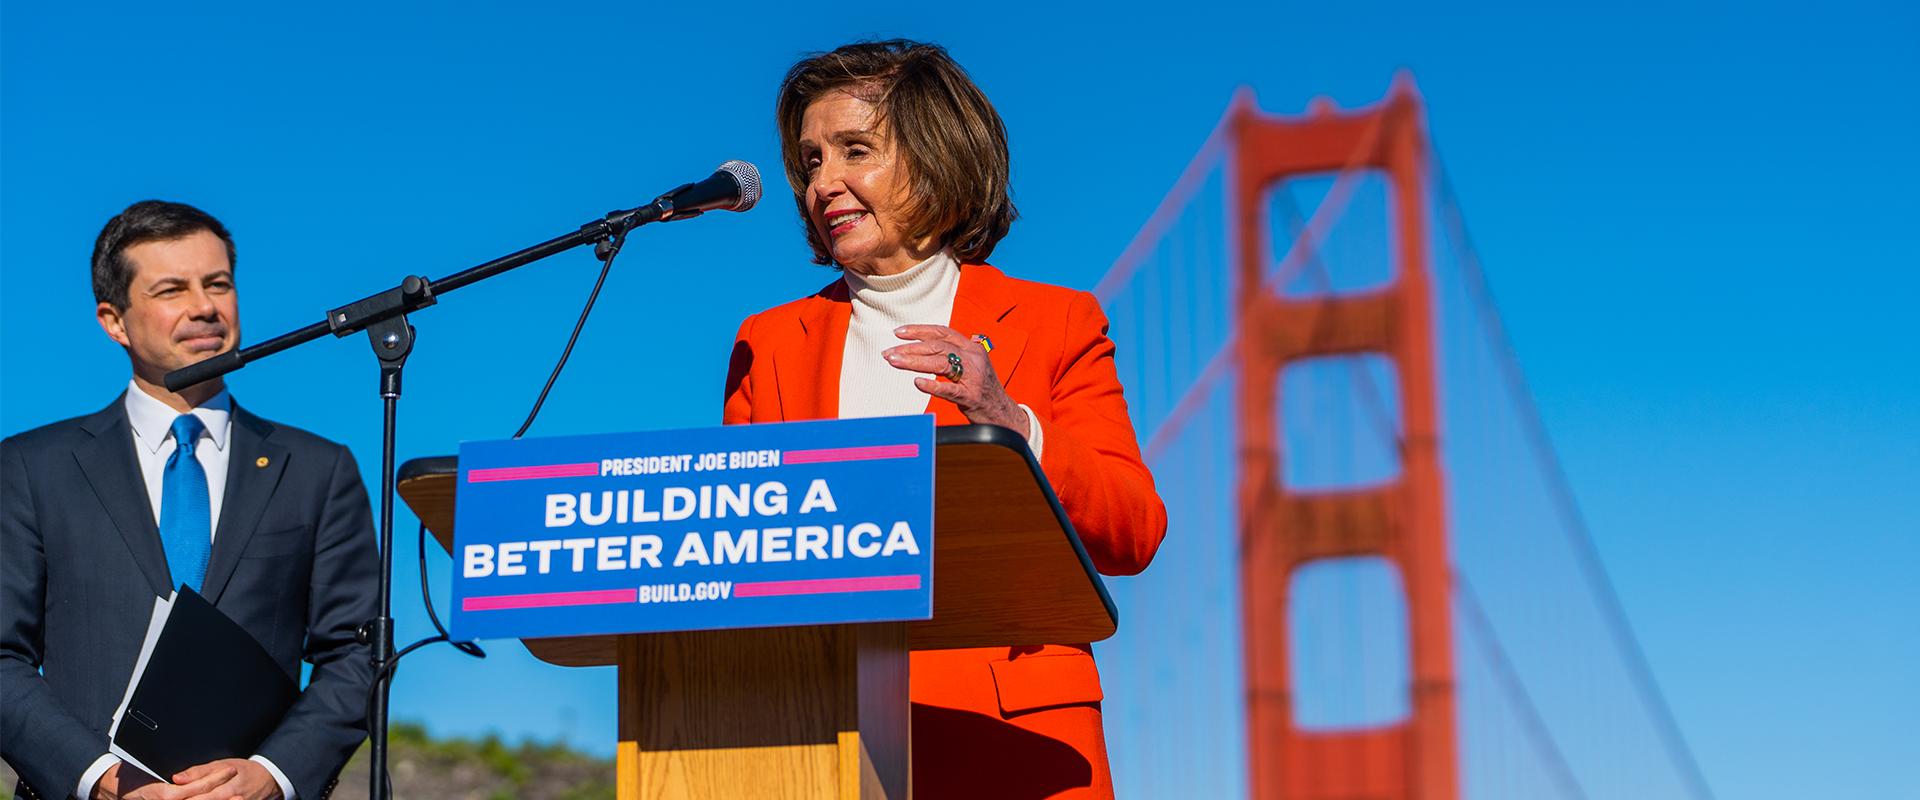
(794, 523)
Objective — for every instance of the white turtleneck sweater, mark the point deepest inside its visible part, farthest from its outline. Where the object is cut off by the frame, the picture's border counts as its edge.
(922, 295)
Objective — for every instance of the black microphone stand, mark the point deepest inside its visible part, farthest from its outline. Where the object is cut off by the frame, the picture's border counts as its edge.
(384, 318)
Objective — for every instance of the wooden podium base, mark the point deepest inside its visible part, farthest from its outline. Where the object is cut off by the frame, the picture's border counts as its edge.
(813, 712)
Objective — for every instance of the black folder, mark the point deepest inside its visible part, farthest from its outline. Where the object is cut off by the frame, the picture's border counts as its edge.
(209, 691)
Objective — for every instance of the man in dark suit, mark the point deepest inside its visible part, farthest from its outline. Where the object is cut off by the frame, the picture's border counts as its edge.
(102, 513)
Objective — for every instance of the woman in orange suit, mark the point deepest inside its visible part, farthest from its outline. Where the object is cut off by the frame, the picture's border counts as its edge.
(899, 167)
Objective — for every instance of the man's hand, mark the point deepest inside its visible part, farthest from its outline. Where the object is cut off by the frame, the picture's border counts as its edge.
(132, 784)
(115, 786)
(226, 779)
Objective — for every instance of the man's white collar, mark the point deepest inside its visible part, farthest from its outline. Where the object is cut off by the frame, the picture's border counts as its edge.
(152, 420)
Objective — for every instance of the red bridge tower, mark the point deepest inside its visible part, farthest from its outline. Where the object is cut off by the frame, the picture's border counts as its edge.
(1402, 521)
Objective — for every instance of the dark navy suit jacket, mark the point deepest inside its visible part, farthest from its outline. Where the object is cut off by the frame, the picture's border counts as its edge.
(294, 562)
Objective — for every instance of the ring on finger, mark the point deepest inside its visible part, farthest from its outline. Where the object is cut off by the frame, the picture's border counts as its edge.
(954, 367)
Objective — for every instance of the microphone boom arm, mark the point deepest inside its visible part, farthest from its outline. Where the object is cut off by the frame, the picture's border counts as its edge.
(415, 293)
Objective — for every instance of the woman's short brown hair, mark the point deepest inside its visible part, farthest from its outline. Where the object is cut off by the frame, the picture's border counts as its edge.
(953, 143)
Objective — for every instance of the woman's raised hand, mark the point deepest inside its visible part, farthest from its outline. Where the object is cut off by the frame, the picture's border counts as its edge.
(962, 374)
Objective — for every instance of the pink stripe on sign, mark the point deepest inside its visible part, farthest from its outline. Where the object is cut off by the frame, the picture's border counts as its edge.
(500, 602)
(587, 470)
(879, 583)
(874, 453)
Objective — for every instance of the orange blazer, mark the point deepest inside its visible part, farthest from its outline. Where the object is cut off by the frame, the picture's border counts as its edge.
(986, 719)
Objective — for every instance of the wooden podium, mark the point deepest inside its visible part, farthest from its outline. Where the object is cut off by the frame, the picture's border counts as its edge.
(821, 711)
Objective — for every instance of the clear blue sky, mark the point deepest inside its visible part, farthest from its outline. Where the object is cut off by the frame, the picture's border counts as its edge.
(1700, 222)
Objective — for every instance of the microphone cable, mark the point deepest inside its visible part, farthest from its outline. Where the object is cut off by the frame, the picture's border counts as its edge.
(606, 250)
(426, 599)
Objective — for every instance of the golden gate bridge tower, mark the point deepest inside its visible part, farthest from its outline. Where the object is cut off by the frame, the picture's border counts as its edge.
(1281, 321)
(1402, 521)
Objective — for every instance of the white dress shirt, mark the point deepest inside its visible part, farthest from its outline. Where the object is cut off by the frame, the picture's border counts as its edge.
(152, 423)
(922, 295)
(153, 444)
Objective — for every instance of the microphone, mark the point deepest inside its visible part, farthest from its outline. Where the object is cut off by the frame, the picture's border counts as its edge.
(735, 186)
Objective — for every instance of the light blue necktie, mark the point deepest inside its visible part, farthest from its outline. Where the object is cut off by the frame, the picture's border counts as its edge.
(186, 511)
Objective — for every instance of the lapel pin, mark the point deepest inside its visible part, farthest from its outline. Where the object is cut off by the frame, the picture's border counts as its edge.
(985, 343)
(260, 462)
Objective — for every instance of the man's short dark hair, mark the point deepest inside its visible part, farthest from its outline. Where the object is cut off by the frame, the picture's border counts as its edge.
(145, 221)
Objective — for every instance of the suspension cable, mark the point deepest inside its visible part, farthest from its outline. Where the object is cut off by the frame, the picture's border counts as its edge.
(1558, 485)
(1516, 690)
(1298, 256)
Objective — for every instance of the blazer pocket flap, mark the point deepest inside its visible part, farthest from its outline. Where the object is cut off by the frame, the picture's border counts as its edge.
(279, 543)
(1036, 682)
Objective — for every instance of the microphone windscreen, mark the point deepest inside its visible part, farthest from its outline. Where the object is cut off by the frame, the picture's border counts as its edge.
(748, 177)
